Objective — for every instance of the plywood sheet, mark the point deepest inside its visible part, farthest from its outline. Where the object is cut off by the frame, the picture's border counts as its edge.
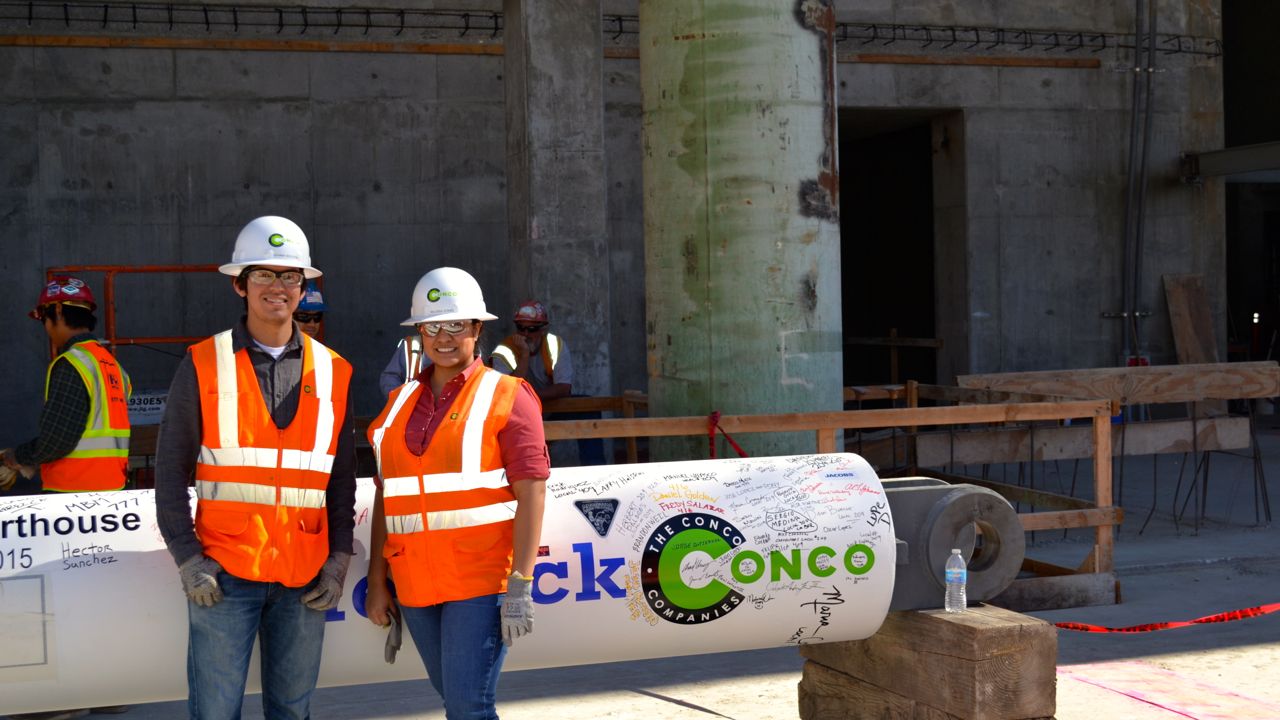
(1193, 335)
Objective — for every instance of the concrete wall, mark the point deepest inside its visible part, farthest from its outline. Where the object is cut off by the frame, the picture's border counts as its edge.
(393, 164)
(1031, 258)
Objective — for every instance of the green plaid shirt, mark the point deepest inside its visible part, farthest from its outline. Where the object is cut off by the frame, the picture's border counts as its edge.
(65, 413)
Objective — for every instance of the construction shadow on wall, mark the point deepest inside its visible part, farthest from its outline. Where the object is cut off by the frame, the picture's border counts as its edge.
(887, 242)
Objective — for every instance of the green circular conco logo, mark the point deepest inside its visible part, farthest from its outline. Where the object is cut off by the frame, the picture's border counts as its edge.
(433, 294)
(665, 590)
(276, 240)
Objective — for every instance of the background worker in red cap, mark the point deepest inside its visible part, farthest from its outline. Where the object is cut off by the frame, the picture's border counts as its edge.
(535, 354)
(83, 445)
(83, 440)
(542, 359)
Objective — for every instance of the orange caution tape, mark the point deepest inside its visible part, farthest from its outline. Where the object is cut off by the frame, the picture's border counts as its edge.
(1152, 627)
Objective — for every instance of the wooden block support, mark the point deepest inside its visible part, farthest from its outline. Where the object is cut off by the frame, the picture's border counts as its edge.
(984, 664)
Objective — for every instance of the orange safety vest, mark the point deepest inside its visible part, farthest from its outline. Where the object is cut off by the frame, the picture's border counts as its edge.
(449, 512)
(262, 489)
(101, 456)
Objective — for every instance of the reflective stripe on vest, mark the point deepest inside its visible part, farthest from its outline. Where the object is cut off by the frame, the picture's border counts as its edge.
(100, 457)
(263, 490)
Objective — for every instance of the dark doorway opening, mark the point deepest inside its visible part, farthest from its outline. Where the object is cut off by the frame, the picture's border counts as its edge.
(886, 246)
(1252, 116)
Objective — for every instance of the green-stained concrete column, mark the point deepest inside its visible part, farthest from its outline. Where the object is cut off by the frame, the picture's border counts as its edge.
(557, 231)
(742, 239)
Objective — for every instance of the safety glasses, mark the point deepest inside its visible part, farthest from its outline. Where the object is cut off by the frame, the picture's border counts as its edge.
(308, 317)
(530, 329)
(263, 276)
(453, 327)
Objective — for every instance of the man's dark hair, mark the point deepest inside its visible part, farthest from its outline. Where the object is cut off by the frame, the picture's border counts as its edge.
(242, 280)
(78, 317)
(242, 283)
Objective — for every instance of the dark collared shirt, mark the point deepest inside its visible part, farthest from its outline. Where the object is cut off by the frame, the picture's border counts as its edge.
(65, 413)
(181, 434)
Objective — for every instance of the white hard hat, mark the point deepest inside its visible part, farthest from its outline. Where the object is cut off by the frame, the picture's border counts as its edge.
(271, 240)
(447, 294)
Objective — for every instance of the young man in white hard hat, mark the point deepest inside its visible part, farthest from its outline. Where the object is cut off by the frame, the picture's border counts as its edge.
(463, 559)
(258, 417)
(542, 358)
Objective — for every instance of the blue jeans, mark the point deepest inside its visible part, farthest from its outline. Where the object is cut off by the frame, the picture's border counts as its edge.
(221, 642)
(461, 644)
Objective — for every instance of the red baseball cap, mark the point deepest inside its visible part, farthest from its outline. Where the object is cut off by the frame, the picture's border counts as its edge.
(66, 290)
(531, 311)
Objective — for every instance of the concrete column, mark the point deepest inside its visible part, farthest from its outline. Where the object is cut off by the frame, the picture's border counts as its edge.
(557, 242)
(742, 238)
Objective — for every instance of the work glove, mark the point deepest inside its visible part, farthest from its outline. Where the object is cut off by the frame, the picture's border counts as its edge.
(200, 580)
(10, 469)
(517, 608)
(326, 589)
(392, 646)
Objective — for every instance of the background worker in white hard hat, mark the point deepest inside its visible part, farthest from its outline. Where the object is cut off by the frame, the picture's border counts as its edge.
(310, 312)
(83, 439)
(258, 417)
(541, 357)
(463, 559)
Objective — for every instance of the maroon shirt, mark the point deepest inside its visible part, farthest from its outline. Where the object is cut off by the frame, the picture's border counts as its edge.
(522, 443)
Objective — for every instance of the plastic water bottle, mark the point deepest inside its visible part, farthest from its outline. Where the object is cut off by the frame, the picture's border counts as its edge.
(957, 577)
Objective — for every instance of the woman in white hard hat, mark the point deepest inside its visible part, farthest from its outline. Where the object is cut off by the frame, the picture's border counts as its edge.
(462, 461)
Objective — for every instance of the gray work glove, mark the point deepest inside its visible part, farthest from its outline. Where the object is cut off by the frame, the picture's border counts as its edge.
(326, 589)
(200, 580)
(517, 609)
(392, 646)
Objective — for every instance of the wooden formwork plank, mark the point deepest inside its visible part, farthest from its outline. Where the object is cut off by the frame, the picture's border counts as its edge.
(1009, 445)
(1139, 385)
(1104, 535)
(1193, 336)
(849, 419)
(948, 393)
(1062, 519)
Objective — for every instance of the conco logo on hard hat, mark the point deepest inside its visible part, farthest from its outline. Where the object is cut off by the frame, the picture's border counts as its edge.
(287, 246)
